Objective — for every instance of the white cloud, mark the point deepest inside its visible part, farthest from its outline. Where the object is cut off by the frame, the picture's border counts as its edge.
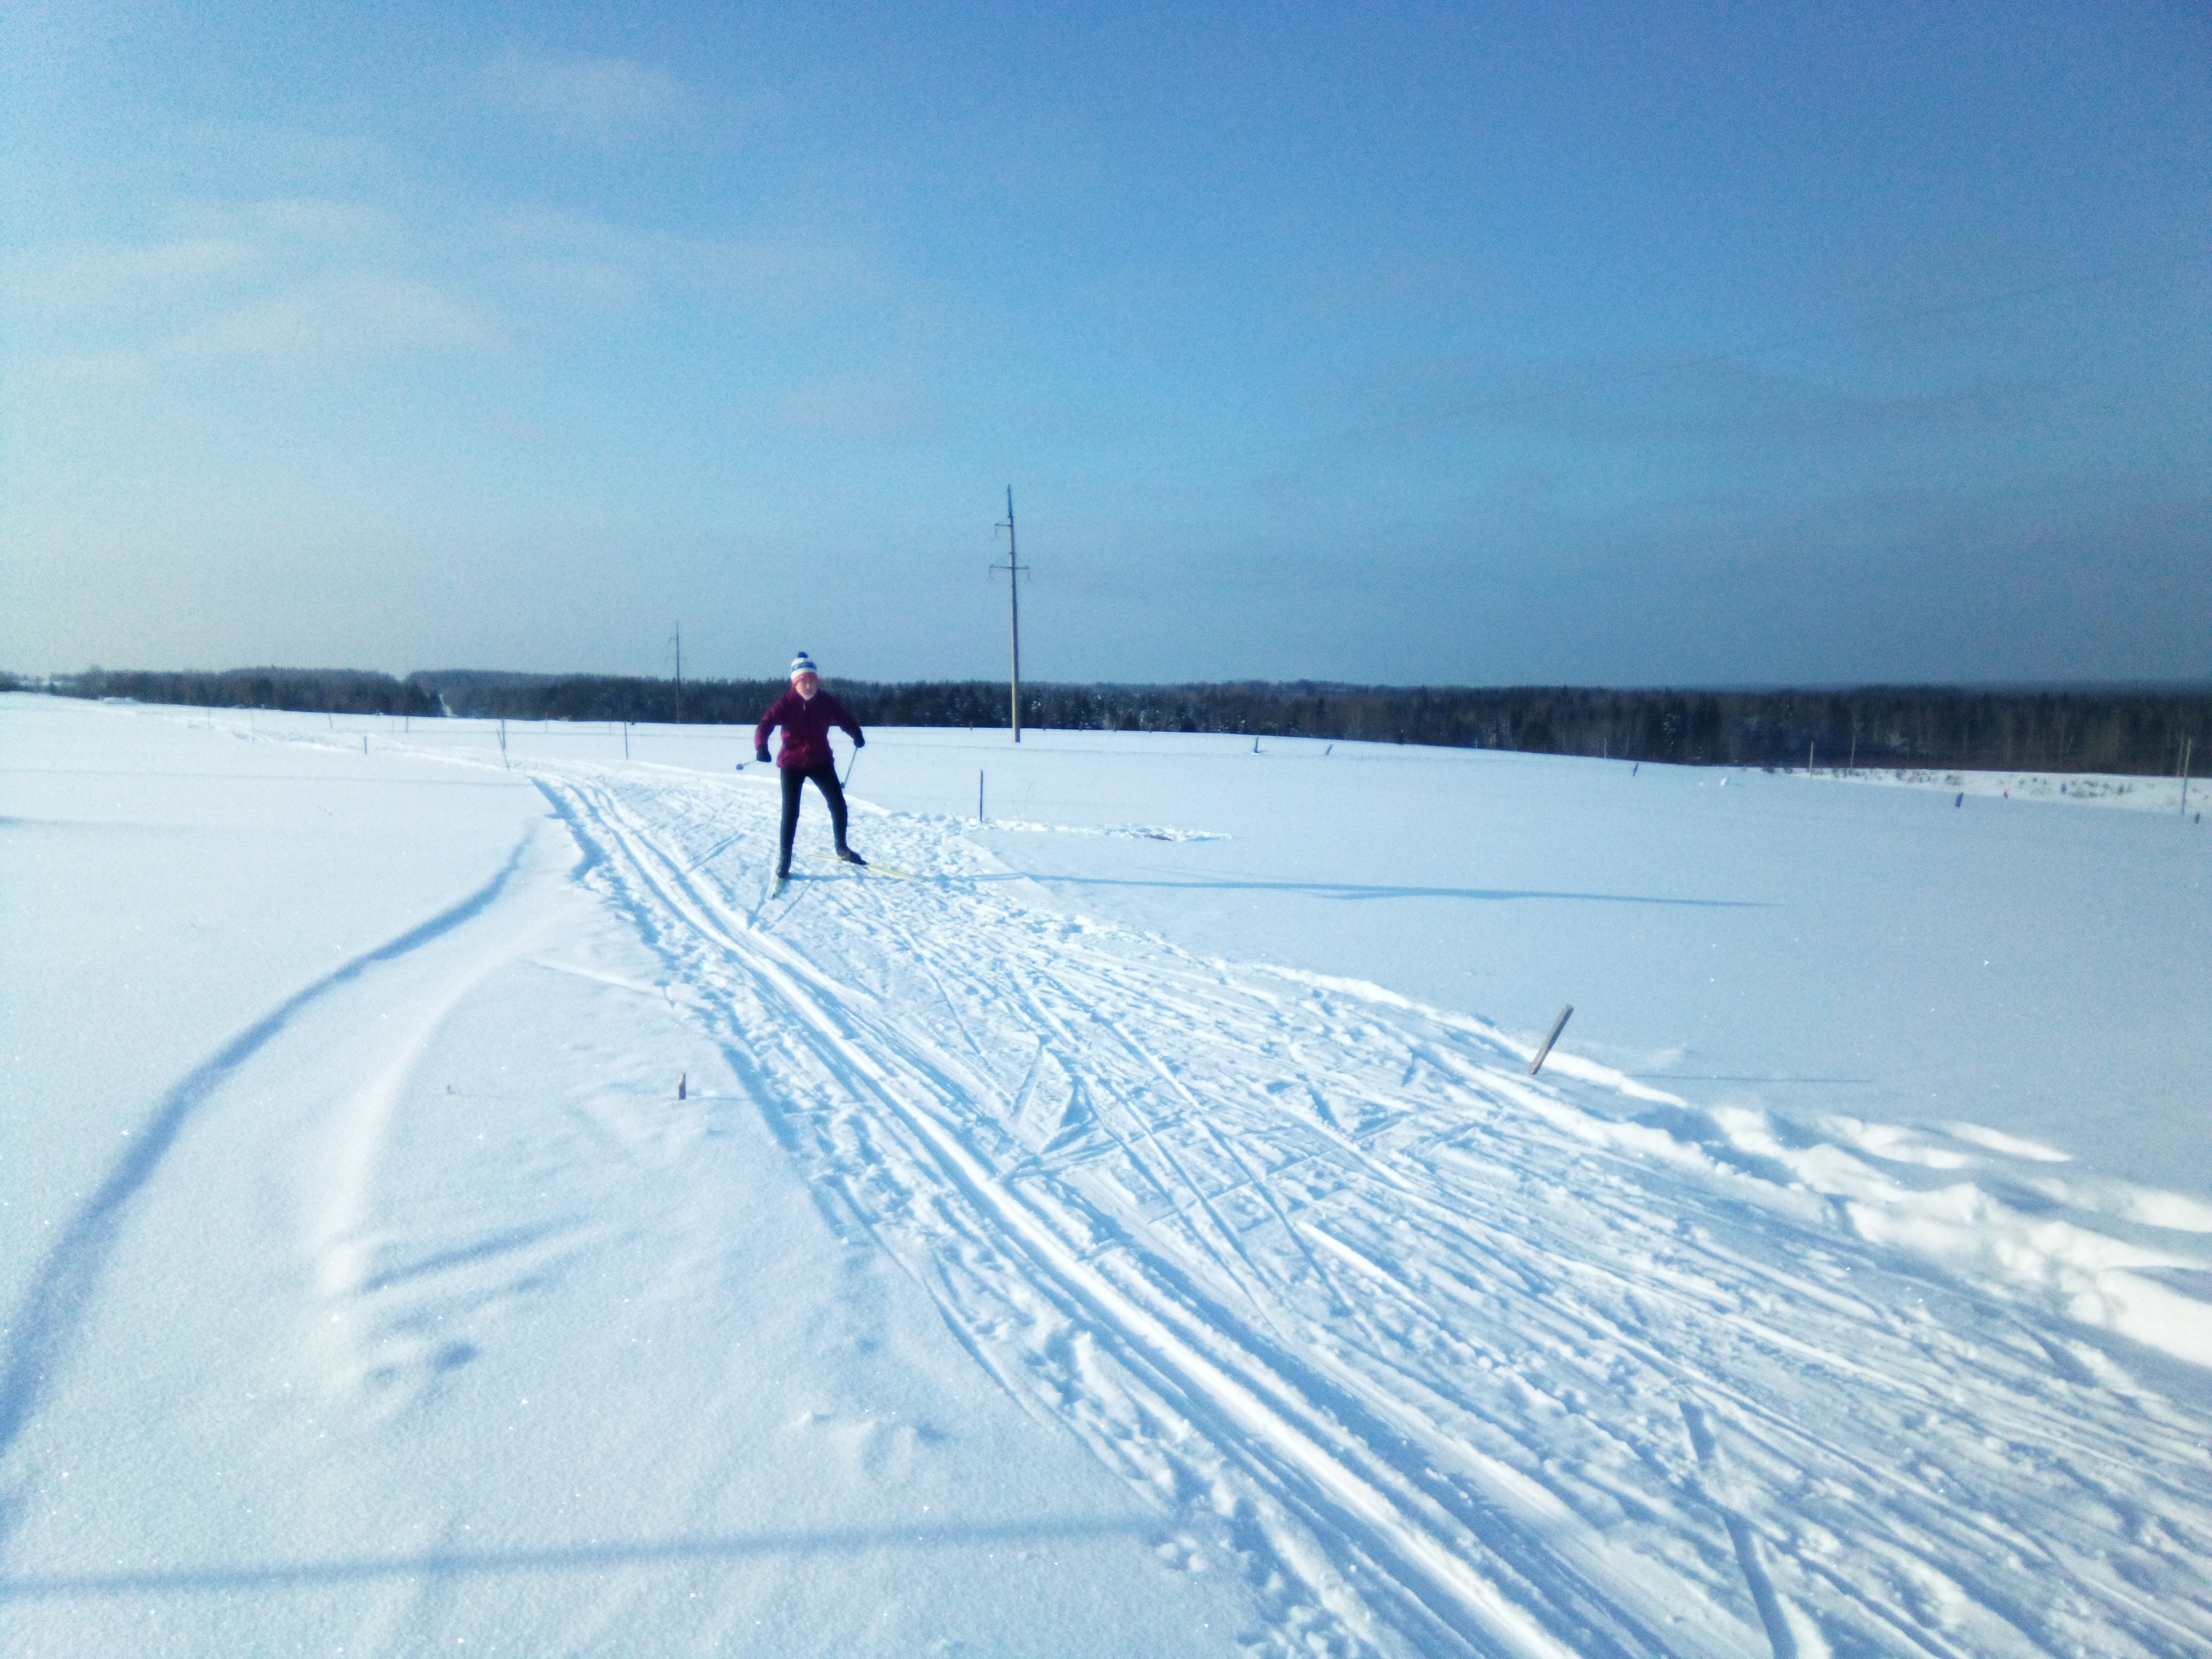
(599, 100)
(777, 273)
(58, 280)
(302, 223)
(342, 317)
(306, 282)
(212, 251)
(297, 282)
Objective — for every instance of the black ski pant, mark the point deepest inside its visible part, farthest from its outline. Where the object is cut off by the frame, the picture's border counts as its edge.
(825, 780)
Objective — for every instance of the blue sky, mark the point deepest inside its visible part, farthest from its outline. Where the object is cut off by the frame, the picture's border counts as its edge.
(1607, 344)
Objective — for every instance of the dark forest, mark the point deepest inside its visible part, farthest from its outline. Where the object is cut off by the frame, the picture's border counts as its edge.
(2071, 730)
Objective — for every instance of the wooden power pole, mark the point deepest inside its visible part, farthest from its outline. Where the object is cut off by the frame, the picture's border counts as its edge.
(678, 643)
(1013, 568)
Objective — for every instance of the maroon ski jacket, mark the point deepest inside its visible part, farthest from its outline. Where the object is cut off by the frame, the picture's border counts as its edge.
(806, 724)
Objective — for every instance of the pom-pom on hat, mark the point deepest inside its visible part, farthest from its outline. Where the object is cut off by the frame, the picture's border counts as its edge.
(803, 664)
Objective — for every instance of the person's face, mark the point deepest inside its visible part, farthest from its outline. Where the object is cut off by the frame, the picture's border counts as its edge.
(806, 684)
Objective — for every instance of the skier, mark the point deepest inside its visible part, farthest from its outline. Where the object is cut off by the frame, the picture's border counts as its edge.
(806, 713)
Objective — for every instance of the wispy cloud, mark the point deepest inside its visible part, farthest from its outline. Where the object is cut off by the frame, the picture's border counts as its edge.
(604, 102)
(777, 272)
(63, 279)
(341, 317)
(297, 283)
(208, 251)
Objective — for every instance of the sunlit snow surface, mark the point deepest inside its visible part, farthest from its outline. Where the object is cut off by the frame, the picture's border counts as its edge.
(1058, 1252)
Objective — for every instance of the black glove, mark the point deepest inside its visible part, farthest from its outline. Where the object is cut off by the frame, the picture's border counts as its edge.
(860, 743)
(760, 752)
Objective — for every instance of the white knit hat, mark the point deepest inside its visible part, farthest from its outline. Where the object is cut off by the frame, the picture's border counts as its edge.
(803, 664)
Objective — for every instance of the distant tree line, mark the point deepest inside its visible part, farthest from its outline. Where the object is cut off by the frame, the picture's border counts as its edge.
(2082, 730)
(310, 691)
(2069, 730)
(2099, 730)
(477, 695)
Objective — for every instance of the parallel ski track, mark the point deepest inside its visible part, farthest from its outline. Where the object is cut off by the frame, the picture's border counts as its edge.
(1325, 1272)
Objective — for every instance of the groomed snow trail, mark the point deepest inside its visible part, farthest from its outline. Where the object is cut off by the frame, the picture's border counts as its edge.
(1446, 1359)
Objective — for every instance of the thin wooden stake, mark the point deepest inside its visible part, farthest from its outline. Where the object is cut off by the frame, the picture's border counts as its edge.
(1558, 1026)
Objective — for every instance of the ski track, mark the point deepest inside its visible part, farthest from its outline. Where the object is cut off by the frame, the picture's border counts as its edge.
(1450, 1359)
(43, 1327)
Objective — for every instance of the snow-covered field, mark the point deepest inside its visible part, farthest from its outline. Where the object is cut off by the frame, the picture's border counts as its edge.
(1123, 1227)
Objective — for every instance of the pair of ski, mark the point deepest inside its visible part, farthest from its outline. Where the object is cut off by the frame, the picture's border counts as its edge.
(778, 883)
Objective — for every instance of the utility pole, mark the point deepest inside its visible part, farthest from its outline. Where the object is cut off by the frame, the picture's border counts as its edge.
(1013, 568)
(678, 643)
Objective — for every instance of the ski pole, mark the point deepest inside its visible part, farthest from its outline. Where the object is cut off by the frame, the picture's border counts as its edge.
(850, 765)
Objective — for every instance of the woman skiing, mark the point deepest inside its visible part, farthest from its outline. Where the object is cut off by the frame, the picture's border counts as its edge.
(806, 713)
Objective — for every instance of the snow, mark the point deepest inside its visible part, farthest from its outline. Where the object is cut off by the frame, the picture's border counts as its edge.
(1125, 1225)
